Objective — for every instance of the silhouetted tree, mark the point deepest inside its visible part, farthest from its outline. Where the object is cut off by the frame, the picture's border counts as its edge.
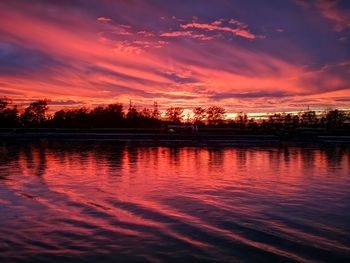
(59, 119)
(252, 124)
(242, 119)
(288, 120)
(264, 125)
(115, 112)
(199, 115)
(335, 118)
(132, 112)
(113, 116)
(156, 113)
(146, 113)
(98, 117)
(215, 115)
(35, 114)
(8, 116)
(296, 120)
(146, 119)
(276, 120)
(76, 118)
(174, 114)
(309, 118)
(4, 102)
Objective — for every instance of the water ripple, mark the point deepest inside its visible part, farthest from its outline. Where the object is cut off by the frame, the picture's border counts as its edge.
(89, 202)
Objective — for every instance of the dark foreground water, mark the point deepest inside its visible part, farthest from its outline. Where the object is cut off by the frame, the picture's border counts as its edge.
(104, 202)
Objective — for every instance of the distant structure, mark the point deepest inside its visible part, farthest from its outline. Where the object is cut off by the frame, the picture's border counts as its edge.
(172, 128)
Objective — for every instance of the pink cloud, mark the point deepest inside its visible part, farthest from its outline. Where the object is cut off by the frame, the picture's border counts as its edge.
(104, 19)
(331, 11)
(186, 34)
(217, 23)
(240, 31)
(104, 67)
(237, 23)
(145, 33)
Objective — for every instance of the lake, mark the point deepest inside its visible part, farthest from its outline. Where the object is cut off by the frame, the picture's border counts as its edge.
(109, 202)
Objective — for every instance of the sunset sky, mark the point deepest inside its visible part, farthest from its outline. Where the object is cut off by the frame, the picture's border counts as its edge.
(253, 55)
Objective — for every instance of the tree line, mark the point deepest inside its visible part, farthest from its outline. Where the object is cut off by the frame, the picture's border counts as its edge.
(114, 116)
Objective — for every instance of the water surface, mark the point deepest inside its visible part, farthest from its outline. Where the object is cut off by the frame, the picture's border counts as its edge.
(88, 202)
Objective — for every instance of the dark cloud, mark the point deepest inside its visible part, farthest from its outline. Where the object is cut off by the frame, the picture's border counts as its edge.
(120, 76)
(180, 79)
(64, 102)
(20, 60)
(248, 95)
(7, 92)
(343, 99)
(116, 89)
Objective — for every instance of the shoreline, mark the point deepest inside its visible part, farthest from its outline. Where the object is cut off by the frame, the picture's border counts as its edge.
(175, 139)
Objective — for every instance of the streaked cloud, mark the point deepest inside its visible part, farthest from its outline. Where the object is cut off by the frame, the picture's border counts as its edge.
(240, 29)
(76, 52)
(331, 10)
(197, 30)
(186, 34)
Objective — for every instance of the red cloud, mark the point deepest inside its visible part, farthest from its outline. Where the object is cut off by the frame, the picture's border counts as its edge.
(102, 67)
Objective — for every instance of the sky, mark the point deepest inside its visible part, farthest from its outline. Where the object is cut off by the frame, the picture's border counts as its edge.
(252, 55)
